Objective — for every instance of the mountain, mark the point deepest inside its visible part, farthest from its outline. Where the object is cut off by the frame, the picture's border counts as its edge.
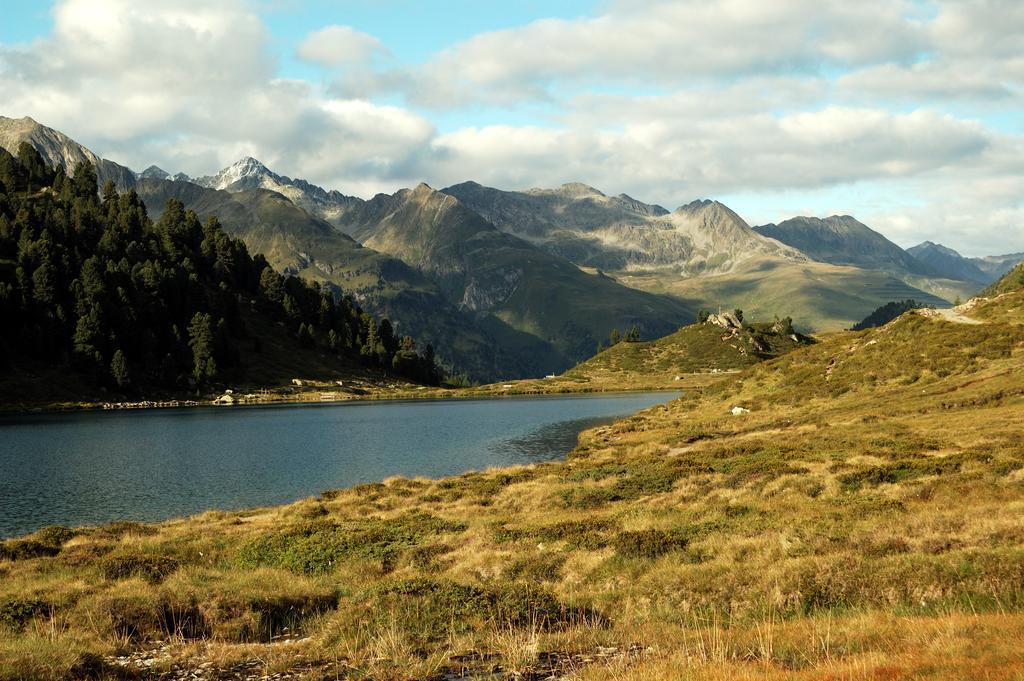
(108, 303)
(485, 270)
(705, 252)
(1009, 282)
(947, 261)
(481, 346)
(154, 173)
(619, 233)
(995, 266)
(298, 243)
(248, 174)
(953, 265)
(56, 148)
(843, 240)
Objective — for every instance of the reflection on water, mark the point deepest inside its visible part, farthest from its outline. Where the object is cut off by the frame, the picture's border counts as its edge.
(551, 440)
(96, 467)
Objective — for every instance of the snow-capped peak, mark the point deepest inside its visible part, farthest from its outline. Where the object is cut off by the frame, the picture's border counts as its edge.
(246, 171)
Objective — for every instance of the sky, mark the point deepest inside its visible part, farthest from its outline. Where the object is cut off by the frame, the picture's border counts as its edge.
(907, 114)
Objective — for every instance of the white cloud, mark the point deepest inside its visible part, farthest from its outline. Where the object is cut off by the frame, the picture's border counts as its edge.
(337, 46)
(743, 97)
(669, 43)
(685, 156)
(192, 85)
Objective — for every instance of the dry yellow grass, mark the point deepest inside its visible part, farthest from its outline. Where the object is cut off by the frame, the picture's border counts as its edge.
(865, 520)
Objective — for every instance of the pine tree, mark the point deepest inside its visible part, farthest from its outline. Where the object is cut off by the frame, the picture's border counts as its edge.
(200, 334)
(119, 369)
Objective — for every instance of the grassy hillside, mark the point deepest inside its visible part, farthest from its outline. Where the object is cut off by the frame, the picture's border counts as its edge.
(865, 520)
(697, 348)
(820, 296)
(1011, 281)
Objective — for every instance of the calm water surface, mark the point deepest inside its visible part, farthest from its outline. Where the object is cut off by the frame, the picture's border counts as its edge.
(96, 467)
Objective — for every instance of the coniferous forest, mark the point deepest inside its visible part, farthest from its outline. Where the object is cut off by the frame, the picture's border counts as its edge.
(90, 283)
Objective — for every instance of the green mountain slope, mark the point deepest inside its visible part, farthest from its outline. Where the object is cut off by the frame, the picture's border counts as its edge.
(822, 297)
(1011, 281)
(487, 271)
(306, 246)
(843, 240)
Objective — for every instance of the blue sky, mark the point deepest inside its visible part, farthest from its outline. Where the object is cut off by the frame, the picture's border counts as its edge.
(905, 113)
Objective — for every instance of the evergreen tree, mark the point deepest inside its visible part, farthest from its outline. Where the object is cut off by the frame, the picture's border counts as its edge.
(89, 282)
(119, 369)
(200, 340)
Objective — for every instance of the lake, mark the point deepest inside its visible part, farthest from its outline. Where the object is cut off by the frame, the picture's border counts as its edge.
(96, 467)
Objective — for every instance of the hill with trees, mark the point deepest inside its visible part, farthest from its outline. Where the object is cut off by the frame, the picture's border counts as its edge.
(90, 286)
(888, 312)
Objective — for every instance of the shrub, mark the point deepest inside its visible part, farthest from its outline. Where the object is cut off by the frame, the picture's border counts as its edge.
(650, 543)
(437, 604)
(15, 613)
(250, 617)
(151, 567)
(543, 567)
(123, 528)
(317, 547)
(898, 472)
(147, 616)
(24, 549)
(55, 535)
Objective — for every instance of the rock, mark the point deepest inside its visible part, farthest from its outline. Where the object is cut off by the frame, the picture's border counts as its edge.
(737, 411)
(727, 320)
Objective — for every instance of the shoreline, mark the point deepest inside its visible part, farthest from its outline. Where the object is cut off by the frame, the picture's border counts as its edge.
(532, 388)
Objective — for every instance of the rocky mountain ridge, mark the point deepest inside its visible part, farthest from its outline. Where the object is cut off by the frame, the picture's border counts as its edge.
(620, 233)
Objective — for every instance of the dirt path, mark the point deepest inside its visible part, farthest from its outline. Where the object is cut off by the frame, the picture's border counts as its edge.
(950, 314)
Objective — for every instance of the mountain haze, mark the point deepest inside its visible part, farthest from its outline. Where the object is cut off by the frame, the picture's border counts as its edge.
(950, 263)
